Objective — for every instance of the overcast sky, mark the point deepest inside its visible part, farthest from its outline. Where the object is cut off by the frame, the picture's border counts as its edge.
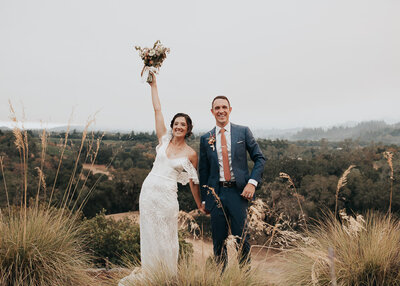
(283, 63)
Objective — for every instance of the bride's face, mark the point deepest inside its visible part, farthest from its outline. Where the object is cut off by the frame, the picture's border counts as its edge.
(179, 128)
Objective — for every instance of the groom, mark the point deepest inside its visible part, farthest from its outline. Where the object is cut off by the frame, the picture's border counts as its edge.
(223, 167)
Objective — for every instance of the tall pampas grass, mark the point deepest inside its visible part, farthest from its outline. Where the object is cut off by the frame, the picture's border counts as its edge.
(64, 146)
(21, 143)
(4, 180)
(40, 244)
(46, 249)
(42, 181)
(366, 252)
(67, 194)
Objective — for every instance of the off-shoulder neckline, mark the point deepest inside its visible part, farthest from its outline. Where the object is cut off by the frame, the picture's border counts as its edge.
(182, 157)
(168, 135)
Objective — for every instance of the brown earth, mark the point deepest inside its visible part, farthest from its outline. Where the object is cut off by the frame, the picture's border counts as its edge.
(133, 216)
(98, 169)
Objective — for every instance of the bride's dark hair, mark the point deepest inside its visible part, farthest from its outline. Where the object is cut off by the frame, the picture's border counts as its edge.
(188, 123)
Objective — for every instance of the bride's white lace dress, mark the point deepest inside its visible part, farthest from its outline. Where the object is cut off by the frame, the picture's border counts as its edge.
(158, 207)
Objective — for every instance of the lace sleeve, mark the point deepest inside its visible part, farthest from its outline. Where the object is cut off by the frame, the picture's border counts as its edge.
(188, 173)
(164, 140)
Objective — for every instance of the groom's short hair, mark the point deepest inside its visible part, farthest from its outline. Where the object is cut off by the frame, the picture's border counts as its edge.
(220, 97)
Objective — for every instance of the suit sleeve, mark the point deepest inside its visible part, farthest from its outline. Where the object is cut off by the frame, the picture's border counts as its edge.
(204, 169)
(256, 156)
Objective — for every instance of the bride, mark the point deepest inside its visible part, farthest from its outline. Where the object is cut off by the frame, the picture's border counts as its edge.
(175, 162)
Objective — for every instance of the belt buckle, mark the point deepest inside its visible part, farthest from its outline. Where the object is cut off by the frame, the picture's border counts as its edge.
(227, 184)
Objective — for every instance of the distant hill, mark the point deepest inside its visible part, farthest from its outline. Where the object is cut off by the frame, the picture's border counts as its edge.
(275, 133)
(3, 128)
(369, 131)
(64, 128)
(363, 132)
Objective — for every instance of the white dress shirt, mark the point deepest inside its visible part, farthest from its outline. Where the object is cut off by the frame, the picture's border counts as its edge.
(219, 153)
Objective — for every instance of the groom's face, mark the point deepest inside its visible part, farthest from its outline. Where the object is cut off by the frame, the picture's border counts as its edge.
(221, 110)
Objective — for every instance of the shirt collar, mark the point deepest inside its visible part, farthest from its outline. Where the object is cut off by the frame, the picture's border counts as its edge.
(227, 128)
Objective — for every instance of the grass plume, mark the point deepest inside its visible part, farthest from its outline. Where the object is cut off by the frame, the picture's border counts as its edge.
(291, 184)
(341, 183)
(42, 182)
(389, 158)
(218, 201)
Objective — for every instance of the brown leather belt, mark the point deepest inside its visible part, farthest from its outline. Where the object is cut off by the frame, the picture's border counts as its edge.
(229, 184)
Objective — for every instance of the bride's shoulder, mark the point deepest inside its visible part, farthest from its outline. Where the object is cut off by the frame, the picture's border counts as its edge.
(190, 151)
(191, 154)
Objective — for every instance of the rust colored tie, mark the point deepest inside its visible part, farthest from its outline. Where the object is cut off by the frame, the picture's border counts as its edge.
(225, 158)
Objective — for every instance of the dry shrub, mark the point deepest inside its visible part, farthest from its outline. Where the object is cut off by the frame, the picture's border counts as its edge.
(187, 223)
(47, 252)
(366, 252)
(280, 234)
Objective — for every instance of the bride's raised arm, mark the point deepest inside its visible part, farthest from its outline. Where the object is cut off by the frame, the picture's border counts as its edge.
(161, 130)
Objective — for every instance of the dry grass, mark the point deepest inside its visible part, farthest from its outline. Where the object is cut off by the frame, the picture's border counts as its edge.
(4, 180)
(364, 253)
(187, 222)
(191, 272)
(46, 249)
(291, 184)
(39, 244)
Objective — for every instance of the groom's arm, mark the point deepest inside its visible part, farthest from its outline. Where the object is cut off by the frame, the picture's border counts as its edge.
(204, 170)
(256, 156)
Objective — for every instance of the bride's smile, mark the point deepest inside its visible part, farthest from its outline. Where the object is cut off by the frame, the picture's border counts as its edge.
(179, 127)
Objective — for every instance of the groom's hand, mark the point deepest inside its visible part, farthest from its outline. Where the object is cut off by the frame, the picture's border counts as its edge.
(248, 191)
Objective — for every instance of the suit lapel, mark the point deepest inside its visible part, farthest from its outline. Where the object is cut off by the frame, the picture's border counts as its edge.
(212, 134)
(233, 140)
(213, 150)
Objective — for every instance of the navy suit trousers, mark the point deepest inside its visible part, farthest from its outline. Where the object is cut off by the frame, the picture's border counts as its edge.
(235, 208)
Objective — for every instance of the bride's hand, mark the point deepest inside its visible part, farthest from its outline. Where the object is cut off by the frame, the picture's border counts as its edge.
(202, 209)
(154, 81)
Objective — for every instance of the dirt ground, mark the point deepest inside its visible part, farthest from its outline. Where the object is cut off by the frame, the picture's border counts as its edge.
(267, 261)
(133, 216)
(98, 169)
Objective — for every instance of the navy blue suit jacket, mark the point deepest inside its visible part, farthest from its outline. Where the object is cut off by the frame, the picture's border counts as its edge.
(242, 141)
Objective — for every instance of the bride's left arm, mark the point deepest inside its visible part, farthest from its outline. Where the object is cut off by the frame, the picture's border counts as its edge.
(195, 187)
